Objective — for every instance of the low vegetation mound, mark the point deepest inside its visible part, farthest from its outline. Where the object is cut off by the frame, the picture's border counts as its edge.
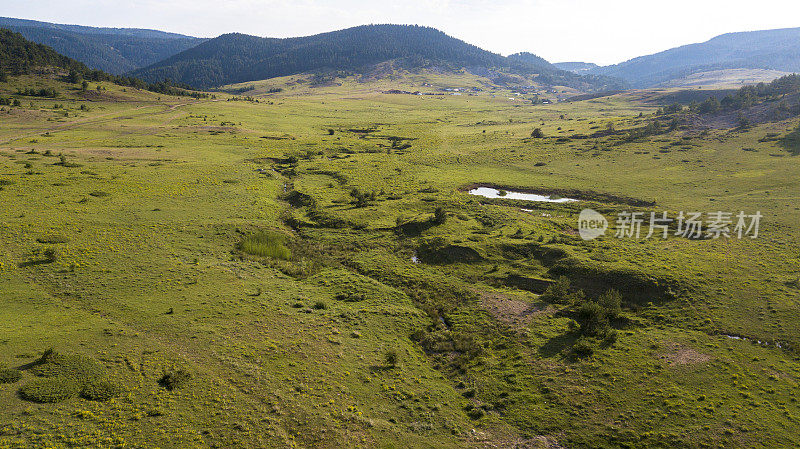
(174, 379)
(63, 376)
(9, 376)
(100, 390)
(50, 389)
(349, 286)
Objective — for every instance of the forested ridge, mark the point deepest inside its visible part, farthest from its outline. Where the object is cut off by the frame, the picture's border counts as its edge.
(233, 58)
(19, 56)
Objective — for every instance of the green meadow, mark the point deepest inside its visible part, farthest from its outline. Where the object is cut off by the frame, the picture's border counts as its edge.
(305, 268)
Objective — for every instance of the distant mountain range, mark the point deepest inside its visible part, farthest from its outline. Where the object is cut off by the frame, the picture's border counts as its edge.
(204, 63)
(234, 58)
(113, 50)
(772, 50)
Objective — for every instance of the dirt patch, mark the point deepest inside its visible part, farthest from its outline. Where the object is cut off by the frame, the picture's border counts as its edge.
(482, 440)
(512, 312)
(119, 153)
(682, 355)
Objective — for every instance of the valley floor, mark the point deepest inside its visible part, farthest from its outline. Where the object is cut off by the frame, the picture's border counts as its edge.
(385, 306)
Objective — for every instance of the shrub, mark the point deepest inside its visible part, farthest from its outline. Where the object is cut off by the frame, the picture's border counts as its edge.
(49, 389)
(100, 390)
(537, 133)
(266, 244)
(610, 338)
(439, 216)
(174, 379)
(362, 198)
(559, 292)
(583, 348)
(9, 376)
(320, 305)
(52, 239)
(611, 302)
(79, 368)
(474, 412)
(390, 358)
(592, 318)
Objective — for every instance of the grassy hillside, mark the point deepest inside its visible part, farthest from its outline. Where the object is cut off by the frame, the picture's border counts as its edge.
(113, 50)
(300, 266)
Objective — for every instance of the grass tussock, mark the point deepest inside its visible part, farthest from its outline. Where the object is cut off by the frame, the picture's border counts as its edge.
(100, 390)
(62, 376)
(9, 376)
(50, 389)
(266, 244)
(52, 239)
(175, 379)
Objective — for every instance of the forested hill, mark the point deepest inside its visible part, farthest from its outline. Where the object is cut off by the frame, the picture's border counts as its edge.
(113, 50)
(233, 58)
(530, 58)
(20, 56)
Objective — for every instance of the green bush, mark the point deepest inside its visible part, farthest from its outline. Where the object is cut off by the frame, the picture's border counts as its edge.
(9, 376)
(390, 358)
(100, 390)
(49, 389)
(174, 379)
(560, 292)
(611, 302)
(610, 338)
(439, 215)
(474, 412)
(77, 367)
(266, 244)
(52, 239)
(592, 318)
(583, 347)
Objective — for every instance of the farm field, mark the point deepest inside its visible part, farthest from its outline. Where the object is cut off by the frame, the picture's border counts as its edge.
(301, 265)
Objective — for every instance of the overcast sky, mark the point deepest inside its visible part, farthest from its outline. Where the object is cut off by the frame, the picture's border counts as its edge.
(600, 31)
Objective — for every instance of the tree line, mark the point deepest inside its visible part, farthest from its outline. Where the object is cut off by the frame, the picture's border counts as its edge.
(19, 56)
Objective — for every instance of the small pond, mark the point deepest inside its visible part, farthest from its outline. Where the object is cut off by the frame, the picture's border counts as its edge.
(489, 192)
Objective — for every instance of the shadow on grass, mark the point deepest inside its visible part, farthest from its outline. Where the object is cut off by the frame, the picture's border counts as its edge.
(31, 263)
(39, 361)
(557, 344)
(381, 368)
